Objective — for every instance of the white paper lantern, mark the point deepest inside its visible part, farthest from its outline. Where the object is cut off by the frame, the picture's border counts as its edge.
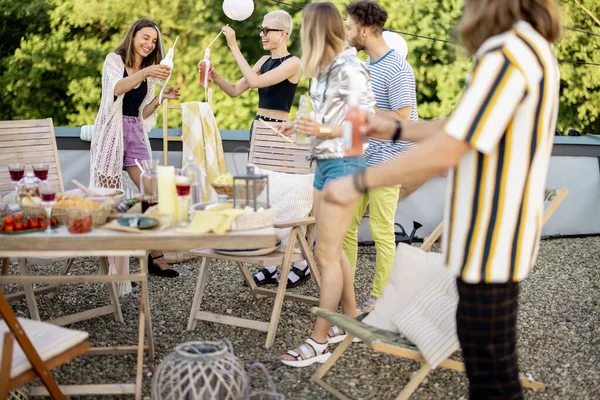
(396, 42)
(238, 10)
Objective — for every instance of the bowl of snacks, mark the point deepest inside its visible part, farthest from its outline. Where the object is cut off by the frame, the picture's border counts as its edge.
(79, 220)
(103, 194)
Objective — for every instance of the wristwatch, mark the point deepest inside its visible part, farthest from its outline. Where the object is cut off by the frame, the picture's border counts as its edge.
(398, 131)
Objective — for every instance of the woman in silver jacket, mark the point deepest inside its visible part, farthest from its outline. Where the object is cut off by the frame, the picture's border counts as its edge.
(331, 70)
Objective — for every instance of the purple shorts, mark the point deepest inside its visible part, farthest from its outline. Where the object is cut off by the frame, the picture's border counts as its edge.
(133, 141)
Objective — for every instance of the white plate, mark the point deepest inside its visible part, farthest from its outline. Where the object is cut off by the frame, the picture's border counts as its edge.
(249, 252)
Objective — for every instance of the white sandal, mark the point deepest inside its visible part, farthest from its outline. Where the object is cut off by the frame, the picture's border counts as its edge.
(338, 335)
(321, 354)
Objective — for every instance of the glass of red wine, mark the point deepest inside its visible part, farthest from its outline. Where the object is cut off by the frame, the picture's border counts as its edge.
(41, 171)
(16, 171)
(48, 195)
(183, 186)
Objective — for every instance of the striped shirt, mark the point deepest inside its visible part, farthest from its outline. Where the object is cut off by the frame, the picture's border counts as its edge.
(393, 81)
(507, 114)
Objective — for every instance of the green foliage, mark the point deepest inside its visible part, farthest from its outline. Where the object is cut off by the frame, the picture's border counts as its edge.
(52, 52)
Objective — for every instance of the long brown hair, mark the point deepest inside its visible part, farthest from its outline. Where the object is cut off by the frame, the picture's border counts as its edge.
(126, 51)
(322, 36)
(483, 19)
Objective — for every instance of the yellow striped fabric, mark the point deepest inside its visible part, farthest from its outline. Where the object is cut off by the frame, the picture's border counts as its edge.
(495, 197)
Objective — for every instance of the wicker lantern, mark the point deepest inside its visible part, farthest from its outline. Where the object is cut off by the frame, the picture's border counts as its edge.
(247, 188)
(200, 371)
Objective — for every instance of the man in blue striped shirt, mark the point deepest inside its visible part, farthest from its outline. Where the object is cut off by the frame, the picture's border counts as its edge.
(393, 83)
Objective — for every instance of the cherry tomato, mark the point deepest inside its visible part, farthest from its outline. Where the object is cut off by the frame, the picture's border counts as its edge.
(43, 224)
(54, 221)
(42, 216)
(33, 224)
(8, 221)
(8, 228)
(18, 217)
(18, 226)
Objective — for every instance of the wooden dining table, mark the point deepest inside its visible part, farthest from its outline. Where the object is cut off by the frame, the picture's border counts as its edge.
(103, 243)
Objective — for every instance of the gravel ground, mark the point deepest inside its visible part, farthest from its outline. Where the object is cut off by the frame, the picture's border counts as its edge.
(559, 329)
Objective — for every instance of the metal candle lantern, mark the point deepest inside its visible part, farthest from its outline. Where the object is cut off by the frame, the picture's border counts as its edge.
(200, 371)
(247, 188)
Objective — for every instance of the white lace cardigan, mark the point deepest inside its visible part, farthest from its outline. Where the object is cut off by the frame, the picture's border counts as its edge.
(106, 149)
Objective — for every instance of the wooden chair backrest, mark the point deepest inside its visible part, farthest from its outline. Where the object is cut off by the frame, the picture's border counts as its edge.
(272, 152)
(28, 142)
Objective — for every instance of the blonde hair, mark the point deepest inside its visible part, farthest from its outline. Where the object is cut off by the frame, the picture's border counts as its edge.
(483, 19)
(282, 20)
(322, 36)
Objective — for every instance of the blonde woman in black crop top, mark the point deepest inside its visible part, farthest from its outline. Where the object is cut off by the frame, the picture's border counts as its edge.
(276, 76)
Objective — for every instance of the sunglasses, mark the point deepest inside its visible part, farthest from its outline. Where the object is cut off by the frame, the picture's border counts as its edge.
(265, 31)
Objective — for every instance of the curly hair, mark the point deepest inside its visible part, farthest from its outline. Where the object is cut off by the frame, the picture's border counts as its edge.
(368, 13)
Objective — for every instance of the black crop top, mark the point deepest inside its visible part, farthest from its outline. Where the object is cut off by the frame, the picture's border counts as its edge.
(134, 98)
(279, 96)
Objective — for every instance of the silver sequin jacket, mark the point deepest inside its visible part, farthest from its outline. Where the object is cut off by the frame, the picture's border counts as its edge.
(328, 94)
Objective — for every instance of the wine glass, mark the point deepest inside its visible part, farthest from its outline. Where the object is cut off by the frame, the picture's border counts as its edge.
(48, 195)
(41, 171)
(16, 171)
(183, 184)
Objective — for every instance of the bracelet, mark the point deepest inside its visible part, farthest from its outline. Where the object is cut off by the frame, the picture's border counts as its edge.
(157, 103)
(359, 182)
(325, 131)
(398, 131)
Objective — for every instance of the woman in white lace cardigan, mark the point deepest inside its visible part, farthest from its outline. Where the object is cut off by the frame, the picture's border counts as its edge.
(127, 112)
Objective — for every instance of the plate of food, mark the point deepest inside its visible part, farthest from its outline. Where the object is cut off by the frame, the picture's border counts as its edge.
(141, 223)
(18, 225)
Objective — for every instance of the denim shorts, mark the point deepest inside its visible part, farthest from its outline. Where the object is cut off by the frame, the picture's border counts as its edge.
(336, 168)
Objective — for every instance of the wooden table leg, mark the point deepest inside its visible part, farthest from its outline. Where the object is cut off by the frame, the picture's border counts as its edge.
(145, 297)
(29, 293)
(139, 376)
(64, 270)
(112, 291)
(281, 289)
(198, 293)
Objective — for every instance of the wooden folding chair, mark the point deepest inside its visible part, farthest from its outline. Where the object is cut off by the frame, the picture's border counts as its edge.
(382, 341)
(41, 347)
(28, 142)
(270, 152)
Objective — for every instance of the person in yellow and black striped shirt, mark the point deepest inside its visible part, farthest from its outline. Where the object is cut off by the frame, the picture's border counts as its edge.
(497, 143)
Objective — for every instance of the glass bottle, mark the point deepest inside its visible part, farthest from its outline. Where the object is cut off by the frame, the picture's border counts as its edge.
(303, 111)
(29, 186)
(149, 184)
(355, 118)
(194, 173)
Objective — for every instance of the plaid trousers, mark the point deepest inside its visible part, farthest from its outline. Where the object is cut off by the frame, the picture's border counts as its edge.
(486, 321)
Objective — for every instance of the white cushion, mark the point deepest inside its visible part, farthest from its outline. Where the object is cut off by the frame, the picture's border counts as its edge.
(85, 133)
(291, 197)
(47, 339)
(429, 320)
(413, 270)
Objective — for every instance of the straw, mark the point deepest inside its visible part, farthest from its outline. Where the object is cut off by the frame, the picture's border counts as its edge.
(276, 131)
(216, 37)
(174, 43)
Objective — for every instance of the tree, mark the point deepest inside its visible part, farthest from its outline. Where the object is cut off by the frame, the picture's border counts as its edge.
(51, 62)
